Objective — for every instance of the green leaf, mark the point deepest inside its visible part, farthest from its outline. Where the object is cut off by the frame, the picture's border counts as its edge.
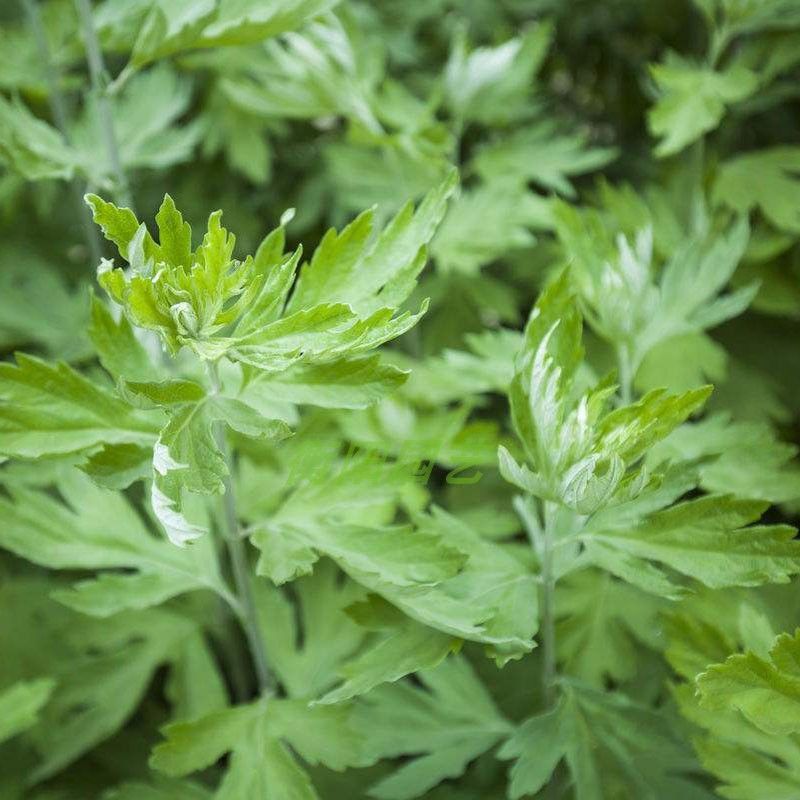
(220, 306)
(119, 225)
(693, 100)
(419, 438)
(366, 175)
(764, 179)
(401, 556)
(492, 84)
(747, 761)
(244, 419)
(286, 83)
(583, 456)
(52, 409)
(709, 539)
(751, 17)
(681, 363)
(607, 743)
(186, 458)
(255, 735)
(346, 269)
(99, 691)
(324, 518)
(145, 118)
(188, 25)
(345, 383)
(159, 789)
(493, 577)
(486, 223)
(628, 306)
(308, 642)
(20, 705)
(749, 773)
(602, 625)
(407, 647)
(118, 466)
(743, 458)
(540, 154)
(38, 308)
(487, 366)
(443, 725)
(119, 351)
(76, 534)
(765, 690)
(31, 146)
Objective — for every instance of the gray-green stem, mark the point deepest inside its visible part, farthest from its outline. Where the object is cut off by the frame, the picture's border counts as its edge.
(542, 539)
(59, 111)
(625, 375)
(99, 78)
(547, 602)
(237, 554)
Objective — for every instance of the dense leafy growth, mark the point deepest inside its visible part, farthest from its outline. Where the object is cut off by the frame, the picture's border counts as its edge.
(459, 460)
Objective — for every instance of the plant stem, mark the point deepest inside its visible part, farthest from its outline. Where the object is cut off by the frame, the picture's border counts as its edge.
(237, 554)
(99, 77)
(59, 111)
(542, 539)
(547, 602)
(231, 650)
(625, 374)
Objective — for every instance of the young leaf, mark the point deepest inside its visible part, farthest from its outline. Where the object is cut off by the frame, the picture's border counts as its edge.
(217, 305)
(191, 25)
(492, 84)
(581, 453)
(346, 269)
(625, 303)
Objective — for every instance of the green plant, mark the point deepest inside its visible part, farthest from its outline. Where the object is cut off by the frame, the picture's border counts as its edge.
(491, 495)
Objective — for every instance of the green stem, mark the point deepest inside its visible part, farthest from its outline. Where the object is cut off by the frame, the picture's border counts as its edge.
(59, 111)
(99, 77)
(236, 553)
(232, 652)
(542, 539)
(625, 375)
(547, 602)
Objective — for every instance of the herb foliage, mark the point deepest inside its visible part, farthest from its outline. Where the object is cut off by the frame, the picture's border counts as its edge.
(458, 459)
